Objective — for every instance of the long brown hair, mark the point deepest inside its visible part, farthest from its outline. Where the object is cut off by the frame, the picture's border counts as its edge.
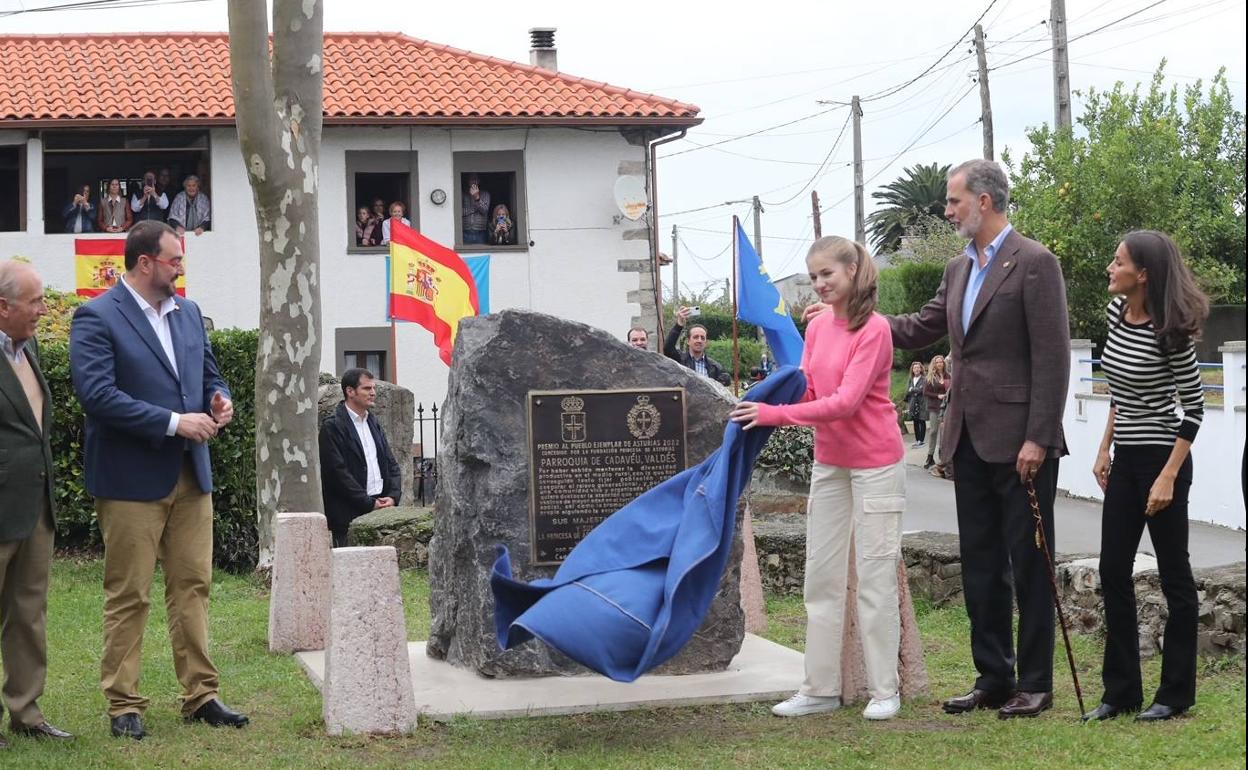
(1176, 305)
(865, 293)
(931, 370)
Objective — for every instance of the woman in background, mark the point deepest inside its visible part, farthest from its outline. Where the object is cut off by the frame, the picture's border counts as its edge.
(936, 392)
(916, 403)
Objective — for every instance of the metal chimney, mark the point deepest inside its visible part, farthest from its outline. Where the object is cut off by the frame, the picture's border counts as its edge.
(542, 51)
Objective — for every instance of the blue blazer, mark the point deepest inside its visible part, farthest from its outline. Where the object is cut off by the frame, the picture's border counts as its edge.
(634, 591)
(128, 390)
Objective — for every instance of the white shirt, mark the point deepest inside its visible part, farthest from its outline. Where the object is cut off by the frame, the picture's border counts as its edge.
(136, 202)
(373, 485)
(159, 320)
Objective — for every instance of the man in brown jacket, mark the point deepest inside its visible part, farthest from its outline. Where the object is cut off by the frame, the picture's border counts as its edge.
(1003, 306)
(26, 522)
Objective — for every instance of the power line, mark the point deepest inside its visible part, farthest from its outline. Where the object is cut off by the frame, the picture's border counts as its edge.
(88, 5)
(819, 171)
(897, 89)
(754, 133)
(1101, 28)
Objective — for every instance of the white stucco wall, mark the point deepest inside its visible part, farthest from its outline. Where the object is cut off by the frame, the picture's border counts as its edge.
(1217, 454)
(570, 271)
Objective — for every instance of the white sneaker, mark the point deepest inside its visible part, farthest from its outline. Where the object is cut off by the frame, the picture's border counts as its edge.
(882, 708)
(800, 705)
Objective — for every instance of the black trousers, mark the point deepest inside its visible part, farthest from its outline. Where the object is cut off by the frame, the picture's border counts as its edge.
(997, 539)
(920, 429)
(1131, 477)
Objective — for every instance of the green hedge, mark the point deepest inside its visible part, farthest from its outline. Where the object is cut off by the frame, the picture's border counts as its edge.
(904, 288)
(233, 453)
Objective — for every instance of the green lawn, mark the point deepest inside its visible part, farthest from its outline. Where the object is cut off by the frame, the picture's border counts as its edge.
(286, 730)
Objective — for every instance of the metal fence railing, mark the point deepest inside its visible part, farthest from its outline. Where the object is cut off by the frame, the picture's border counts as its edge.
(424, 463)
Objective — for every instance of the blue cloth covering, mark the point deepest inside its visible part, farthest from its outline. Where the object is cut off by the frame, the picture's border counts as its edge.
(634, 591)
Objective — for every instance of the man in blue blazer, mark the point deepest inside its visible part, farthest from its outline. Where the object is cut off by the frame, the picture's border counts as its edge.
(147, 379)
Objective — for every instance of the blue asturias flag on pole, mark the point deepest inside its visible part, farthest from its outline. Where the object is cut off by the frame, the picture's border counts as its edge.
(759, 302)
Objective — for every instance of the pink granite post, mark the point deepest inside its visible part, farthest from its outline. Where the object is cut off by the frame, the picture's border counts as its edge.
(752, 601)
(299, 600)
(368, 683)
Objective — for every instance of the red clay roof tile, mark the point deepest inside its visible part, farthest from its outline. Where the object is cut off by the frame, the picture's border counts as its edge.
(373, 77)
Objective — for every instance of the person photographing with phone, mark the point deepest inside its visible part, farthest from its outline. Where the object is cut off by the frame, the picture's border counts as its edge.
(695, 356)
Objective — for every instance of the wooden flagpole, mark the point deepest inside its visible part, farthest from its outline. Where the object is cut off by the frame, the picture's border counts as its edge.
(736, 353)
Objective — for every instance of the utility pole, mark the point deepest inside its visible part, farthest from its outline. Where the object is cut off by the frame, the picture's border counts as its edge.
(758, 227)
(675, 271)
(814, 208)
(985, 102)
(860, 225)
(1061, 67)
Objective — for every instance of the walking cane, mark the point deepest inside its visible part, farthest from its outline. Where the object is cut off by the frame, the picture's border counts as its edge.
(1043, 545)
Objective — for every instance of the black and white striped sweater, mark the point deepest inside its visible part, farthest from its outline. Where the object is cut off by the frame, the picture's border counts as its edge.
(1145, 383)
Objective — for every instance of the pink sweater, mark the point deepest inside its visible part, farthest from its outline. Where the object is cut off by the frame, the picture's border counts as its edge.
(847, 394)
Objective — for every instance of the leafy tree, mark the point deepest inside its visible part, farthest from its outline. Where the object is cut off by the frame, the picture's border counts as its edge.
(1165, 160)
(918, 192)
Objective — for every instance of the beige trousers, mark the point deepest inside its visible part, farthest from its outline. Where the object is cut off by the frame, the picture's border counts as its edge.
(865, 503)
(24, 566)
(177, 530)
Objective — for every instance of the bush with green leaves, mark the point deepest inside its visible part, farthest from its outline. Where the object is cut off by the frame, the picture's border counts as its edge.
(1161, 159)
(790, 452)
(233, 451)
(750, 350)
(904, 288)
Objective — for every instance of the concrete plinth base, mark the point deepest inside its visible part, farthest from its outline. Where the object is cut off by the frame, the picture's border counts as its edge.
(762, 671)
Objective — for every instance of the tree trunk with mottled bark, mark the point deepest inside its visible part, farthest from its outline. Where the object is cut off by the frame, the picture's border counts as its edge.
(278, 110)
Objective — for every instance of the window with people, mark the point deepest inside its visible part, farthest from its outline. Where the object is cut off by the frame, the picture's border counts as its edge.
(490, 203)
(105, 181)
(381, 186)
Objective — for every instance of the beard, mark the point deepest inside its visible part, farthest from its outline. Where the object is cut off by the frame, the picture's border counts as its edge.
(970, 226)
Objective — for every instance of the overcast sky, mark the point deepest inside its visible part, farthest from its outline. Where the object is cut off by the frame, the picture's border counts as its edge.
(751, 66)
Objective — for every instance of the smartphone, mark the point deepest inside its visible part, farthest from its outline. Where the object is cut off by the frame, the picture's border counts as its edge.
(695, 310)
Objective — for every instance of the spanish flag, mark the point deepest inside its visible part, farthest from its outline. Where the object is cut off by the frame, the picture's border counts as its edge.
(99, 264)
(431, 285)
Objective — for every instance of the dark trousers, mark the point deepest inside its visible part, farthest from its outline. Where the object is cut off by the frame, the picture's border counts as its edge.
(920, 429)
(339, 537)
(997, 539)
(1131, 477)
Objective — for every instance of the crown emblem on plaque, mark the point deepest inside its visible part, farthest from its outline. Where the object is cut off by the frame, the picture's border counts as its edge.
(572, 423)
(644, 418)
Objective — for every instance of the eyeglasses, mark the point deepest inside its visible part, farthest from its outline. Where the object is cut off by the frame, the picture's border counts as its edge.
(175, 262)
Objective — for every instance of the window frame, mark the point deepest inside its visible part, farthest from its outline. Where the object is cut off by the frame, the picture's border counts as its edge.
(491, 162)
(380, 162)
(366, 339)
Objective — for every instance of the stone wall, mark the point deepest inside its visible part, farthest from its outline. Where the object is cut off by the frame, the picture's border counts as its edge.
(406, 528)
(934, 569)
(395, 411)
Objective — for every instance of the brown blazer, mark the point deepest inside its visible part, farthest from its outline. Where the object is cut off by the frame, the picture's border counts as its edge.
(1011, 367)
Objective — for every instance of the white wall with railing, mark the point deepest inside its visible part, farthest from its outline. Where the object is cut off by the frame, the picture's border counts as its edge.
(1217, 494)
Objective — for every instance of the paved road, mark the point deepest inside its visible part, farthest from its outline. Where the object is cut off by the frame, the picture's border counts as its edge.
(930, 506)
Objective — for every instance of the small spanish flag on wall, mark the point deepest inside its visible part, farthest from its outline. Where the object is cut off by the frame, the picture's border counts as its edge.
(99, 264)
(430, 285)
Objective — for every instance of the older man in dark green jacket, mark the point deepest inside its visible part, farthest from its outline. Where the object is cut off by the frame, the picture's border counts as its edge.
(26, 519)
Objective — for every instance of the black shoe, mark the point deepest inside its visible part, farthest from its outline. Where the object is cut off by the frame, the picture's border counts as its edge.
(128, 725)
(975, 699)
(1159, 711)
(217, 714)
(43, 730)
(929, 463)
(1107, 711)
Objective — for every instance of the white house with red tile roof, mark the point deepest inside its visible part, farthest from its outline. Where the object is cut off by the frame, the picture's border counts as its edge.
(405, 120)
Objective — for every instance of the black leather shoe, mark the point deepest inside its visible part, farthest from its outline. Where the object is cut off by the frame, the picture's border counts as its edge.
(43, 730)
(217, 714)
(1106, 711)
(1159, 711)
(975, 699)
(1026, 704)
(128, 725)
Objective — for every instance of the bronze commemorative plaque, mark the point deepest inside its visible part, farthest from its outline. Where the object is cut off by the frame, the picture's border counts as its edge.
(590, 453)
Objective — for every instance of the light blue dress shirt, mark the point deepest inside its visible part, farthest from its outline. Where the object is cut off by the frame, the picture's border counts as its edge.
(978, 274)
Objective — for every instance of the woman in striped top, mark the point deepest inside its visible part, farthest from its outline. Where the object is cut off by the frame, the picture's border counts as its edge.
(1150, 362)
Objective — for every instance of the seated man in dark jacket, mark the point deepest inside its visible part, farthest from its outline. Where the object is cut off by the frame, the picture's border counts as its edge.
(358, 471)
(695, 358)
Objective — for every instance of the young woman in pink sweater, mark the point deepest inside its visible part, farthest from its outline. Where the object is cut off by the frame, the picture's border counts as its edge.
(858, 483)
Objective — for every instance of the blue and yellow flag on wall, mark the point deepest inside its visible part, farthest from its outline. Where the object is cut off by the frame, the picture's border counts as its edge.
(759, 302)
